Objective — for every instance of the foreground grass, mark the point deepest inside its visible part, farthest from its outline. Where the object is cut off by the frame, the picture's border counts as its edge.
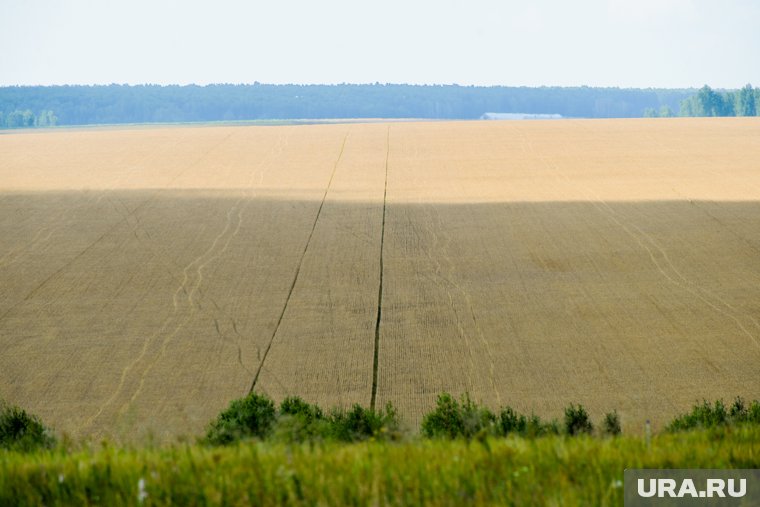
(551, 470)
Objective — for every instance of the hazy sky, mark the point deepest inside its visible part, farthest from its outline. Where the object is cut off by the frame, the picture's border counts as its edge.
(627, 43)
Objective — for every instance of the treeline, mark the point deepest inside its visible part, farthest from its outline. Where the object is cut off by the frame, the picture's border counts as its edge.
(80, 105)
(26, 119)
(708, 102)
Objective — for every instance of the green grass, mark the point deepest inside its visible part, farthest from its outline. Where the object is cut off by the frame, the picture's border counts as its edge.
(551, 470)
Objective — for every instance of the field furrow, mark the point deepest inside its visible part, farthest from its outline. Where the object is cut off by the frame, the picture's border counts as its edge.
(148, 276)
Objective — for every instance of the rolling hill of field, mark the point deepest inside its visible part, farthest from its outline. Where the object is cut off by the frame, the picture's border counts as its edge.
(149, 276)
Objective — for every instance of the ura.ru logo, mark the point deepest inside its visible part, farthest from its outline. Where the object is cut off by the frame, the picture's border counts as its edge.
(735, 488)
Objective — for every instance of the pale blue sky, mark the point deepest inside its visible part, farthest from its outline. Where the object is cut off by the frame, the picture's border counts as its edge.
(627, 43)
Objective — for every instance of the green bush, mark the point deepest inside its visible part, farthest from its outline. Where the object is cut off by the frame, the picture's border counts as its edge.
(250, 417)
(452, 419)
(361, 423)
(296, 407)
(704, 415)
(538, 428)
(577, 420)
(611, 424)
(753, 413)
(707, 415)
(510, 421)
(21, 431)
(299, 421)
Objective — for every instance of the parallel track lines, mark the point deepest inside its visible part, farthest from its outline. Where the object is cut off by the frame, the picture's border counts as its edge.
(111, 229)
(298, 268)
(642, 239)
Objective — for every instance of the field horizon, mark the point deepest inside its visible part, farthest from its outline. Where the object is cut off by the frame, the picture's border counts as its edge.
(149, 276)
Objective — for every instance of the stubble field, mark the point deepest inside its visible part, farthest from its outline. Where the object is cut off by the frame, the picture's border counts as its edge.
(149, 276)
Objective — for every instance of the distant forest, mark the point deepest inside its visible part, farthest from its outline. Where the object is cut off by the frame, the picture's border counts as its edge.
(41, 106)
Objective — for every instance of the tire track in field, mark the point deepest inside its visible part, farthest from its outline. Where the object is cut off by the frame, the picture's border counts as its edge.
(15, 254)
(439, 277)
(9, 258)
(376, 346)
(558, 176)
(160, 255)
(298, 268)
(666, 268)
(718, 299)
(691, 286)
(471, 307)
(654, 243)
(108, 231)
(210, 255)
(146, 343)
(642, 239)
(190, 310)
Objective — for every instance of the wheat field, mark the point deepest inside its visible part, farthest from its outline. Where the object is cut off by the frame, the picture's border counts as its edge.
(150, 275)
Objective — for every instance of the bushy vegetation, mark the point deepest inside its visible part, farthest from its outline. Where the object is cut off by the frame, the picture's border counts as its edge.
(295, 454)
(706, 415)
(361, 423)
(510, 421)
(250, 417)
(255, 417)
(611, 424)
(454, 419)
(577, 421)
(22, 431)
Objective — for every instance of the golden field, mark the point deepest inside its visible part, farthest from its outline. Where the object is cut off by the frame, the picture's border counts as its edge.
(148, 276)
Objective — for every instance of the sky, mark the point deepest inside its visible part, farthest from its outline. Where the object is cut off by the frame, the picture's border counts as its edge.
(623, 43)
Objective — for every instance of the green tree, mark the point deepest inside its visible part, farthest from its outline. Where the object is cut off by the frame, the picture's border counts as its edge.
(687, 107)
(666, 112)
(708, 102)
(746, 102)
(46, 119)
(650, 112)
(15, 119)
(27, 118)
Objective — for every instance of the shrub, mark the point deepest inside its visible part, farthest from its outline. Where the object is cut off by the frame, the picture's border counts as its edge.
(706, 415)
(300, 421)
(753, 413)
(538, 428)
(452, 419)
(249, 417)
(361, 423)
(611, 424)
(296, 407)
(577, 420)
(21, 431)
(510, 421)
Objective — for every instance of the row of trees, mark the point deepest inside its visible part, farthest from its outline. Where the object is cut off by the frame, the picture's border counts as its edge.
(26, 119)
(77, 105)
(708, 102)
